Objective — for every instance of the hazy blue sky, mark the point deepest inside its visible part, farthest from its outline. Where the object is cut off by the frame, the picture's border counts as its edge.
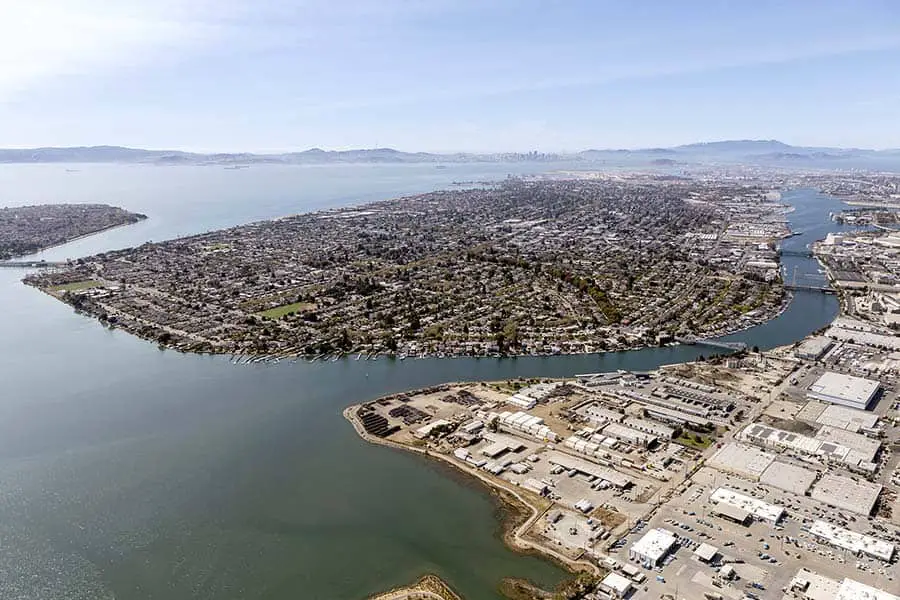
(442, 75)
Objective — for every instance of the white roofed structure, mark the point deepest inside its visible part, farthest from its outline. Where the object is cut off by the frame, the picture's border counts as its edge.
(857, 543)
(761, 510)
(847, 390)
(844, 493)
(652, 547)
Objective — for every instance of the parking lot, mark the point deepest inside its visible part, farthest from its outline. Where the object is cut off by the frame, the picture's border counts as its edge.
(760, 553)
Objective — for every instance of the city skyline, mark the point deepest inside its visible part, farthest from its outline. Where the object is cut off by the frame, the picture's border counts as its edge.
(447, 77)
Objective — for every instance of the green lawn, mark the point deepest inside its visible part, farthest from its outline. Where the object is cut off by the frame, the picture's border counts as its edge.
(689, 439)
(280, 311)
(75, 286)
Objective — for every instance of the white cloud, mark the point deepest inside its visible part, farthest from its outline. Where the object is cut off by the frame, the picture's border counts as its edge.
(44, 39)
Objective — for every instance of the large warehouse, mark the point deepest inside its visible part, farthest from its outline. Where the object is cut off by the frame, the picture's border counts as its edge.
(846, 390)
(848, 494)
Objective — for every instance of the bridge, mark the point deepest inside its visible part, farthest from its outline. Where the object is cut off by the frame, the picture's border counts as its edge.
(694, 341)
(802, 253)
(30, 264)
(825, 289)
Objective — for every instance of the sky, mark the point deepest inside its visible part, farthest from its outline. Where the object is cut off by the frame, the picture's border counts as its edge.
(447, 75)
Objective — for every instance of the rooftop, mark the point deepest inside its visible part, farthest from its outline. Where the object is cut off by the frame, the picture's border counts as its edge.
(654, 544)
(853, 541)
(846, 493)
(757, 508)
(847, 388)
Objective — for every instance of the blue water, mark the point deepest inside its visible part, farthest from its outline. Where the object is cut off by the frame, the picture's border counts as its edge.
(130, 472)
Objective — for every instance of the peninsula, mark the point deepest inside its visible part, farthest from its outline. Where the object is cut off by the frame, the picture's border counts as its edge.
(754, 471)
(537, 266)
(28, 229)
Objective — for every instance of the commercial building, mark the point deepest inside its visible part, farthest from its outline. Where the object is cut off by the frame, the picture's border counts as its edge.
(522, 422)
(732, 513)
(846, 390)
(788, 477)
(616, 585)
(522, 401)
(813, 348)
(653, 547)
(857, 543)
(848, 494)
(809, 585)
(760, 510)
(741, 459)
(569, 463)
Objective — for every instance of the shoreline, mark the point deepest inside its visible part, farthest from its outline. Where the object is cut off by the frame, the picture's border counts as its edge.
(509, 498)
(37, 252)
(248, 358)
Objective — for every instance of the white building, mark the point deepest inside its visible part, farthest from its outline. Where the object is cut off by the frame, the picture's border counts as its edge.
(762, 511)
(847, 390)
(857, 543)
(653, 547)
(616, 585)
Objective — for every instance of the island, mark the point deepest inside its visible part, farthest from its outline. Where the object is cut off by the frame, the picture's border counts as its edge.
(582, 263)
(28, 229)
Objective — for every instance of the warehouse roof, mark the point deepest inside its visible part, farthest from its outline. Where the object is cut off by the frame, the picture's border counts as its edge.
(741, 459)
(848, 494)
(758, 508)
(788, 477)
(732, 512)
(847, 388)
(854, 590)
(847, 418)
(852, 541)
(865, 446)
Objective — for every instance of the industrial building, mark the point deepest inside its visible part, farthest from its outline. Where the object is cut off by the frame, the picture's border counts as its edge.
(813, 348)
(742, 460)
(840, 417)
(652, 547)
(809, 585)
(522, 401)
(829, 451)
(864, 447)
(846, 390)
(522, 422)
(857, 543)
(788, 477)
(651, 427)
(616, 585)
(569, 463)
(848, 494)
(675, 417)
(760, 510)
(629, 435)
(599, 415)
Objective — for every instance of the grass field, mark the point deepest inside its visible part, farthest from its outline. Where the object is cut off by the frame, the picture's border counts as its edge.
(280, 311)
(690, 439)
(75, 286)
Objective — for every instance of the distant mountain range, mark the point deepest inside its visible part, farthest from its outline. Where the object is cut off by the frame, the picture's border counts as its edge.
(749, 151)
